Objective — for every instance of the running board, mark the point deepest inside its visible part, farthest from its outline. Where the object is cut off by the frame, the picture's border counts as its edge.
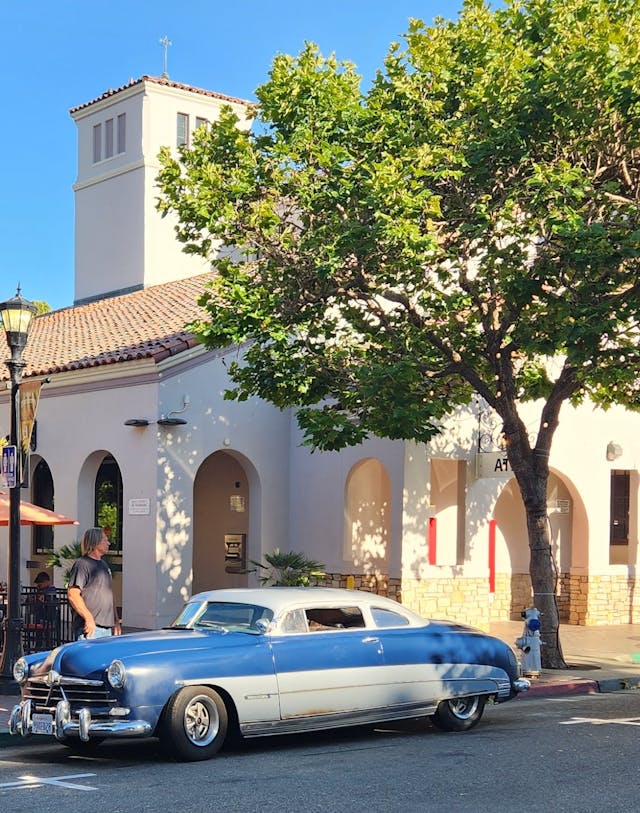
(317, 722)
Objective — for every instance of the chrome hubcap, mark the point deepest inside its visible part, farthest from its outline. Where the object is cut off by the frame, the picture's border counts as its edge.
(201, 721)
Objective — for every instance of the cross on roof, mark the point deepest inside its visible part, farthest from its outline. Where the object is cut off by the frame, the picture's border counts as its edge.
(165, 42)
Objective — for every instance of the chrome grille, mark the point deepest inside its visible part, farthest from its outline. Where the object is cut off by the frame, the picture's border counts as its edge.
(77, 693)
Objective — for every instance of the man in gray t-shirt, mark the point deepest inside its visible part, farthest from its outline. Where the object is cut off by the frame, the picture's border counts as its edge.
(90, 591)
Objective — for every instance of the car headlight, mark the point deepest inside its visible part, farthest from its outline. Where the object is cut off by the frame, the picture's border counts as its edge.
(116, 674)
(21, 671)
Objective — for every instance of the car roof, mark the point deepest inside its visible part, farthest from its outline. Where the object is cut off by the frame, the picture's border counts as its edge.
(281, 598)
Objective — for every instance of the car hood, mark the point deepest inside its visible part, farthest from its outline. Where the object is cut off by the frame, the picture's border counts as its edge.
(91, 658)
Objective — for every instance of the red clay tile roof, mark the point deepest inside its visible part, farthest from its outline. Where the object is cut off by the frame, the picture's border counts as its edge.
(145, 324)
(160, 80)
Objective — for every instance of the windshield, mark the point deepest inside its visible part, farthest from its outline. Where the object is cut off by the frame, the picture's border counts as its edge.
(222, 615)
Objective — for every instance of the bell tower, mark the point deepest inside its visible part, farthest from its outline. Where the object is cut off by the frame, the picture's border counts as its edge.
(122, 243)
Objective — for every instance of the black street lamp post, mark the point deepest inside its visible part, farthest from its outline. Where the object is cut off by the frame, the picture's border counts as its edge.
(16, 314)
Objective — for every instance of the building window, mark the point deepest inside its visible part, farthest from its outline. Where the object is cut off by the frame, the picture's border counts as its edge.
(108, 502)
(619, 511)
(202, 122)
(108, 138)
(182, 137)
(97, 143)
(122, 132)
(42, 494)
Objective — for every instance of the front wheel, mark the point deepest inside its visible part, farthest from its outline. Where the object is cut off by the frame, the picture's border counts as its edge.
(460, 713)
(194, 724)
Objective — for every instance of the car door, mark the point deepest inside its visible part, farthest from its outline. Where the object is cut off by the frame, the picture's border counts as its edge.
(327, 661)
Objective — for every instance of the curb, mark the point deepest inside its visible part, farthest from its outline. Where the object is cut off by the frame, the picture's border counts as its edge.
(583, 686)
(565, 687)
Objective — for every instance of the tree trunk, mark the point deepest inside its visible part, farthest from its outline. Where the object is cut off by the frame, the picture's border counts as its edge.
(531, 468)
(544, 582)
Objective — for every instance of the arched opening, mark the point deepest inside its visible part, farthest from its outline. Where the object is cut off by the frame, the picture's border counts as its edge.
(221, 511)
(108, 502)
(42, 494)
(367, 517)
(568, 532)
(100, 504)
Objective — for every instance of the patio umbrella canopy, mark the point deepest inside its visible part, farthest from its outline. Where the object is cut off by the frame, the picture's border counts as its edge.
(31, 514)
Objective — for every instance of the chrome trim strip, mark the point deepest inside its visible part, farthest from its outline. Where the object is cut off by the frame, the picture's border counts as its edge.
(321, 721)
(54, 679)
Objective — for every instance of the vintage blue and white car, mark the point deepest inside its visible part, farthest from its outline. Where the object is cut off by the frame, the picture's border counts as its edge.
(264, 661)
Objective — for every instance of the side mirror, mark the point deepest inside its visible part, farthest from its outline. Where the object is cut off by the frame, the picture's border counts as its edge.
(263, 626)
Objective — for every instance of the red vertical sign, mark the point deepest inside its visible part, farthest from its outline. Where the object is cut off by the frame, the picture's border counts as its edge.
(432, 540)
(492, 555)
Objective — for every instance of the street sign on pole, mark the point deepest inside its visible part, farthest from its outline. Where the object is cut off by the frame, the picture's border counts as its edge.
(9, 470)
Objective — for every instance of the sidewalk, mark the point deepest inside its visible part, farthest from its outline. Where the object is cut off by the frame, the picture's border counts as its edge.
(600, 659)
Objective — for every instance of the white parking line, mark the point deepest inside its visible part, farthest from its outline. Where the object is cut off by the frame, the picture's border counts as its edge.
(596, 721)
(55, 781)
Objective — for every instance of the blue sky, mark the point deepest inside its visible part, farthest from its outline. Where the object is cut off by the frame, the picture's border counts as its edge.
(56, 54)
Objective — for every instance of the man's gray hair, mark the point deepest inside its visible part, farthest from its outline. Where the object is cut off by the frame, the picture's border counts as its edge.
(91, 539)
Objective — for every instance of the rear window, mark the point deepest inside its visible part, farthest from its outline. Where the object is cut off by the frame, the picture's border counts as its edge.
(388, 618)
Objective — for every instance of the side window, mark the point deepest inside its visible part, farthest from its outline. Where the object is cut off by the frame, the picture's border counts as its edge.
(331, 618)
(182, 130)
(387, 618)
(122, 132)
(97, 143)
(108, 138)
(293, 621)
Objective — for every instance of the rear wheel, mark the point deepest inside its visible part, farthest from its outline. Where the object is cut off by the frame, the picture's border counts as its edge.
(194, 724)
(460, 713)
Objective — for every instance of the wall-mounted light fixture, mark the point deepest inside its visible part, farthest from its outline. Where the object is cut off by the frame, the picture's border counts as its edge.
(614, 450)
(137, 422)
(169, 420)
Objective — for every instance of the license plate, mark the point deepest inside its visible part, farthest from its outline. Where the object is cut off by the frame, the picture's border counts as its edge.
(42, 724)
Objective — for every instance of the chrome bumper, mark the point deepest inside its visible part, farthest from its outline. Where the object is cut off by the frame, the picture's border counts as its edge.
(20, 722)
(522, 685)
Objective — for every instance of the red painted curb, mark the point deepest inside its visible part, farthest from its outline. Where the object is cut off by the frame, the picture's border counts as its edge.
(562, 688)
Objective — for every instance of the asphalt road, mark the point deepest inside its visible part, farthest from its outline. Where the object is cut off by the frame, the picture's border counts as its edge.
(576, 754)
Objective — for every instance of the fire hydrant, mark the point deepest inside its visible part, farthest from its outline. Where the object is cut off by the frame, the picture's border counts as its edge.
(530, 642)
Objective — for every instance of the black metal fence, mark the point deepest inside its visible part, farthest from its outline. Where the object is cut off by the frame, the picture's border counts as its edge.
(46, 620)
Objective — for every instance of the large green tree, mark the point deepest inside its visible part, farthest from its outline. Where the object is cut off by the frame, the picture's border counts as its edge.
(470, 217)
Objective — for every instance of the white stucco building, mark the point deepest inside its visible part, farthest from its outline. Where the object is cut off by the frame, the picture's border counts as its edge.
(133, 432)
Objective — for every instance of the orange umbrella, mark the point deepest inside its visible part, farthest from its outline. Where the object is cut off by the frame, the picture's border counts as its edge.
(31, 514)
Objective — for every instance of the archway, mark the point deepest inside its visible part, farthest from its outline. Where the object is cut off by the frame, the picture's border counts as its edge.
(100, 504)
(568, 531)
(221, 523)
(42, 492)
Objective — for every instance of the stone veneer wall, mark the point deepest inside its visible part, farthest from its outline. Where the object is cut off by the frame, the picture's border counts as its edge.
(513, 594)
(369, 582)
(582, 600)
(460, 599)
(604, 600)
(464, 600)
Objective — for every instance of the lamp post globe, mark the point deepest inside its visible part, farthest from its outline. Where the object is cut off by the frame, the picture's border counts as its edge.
(16, 314)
